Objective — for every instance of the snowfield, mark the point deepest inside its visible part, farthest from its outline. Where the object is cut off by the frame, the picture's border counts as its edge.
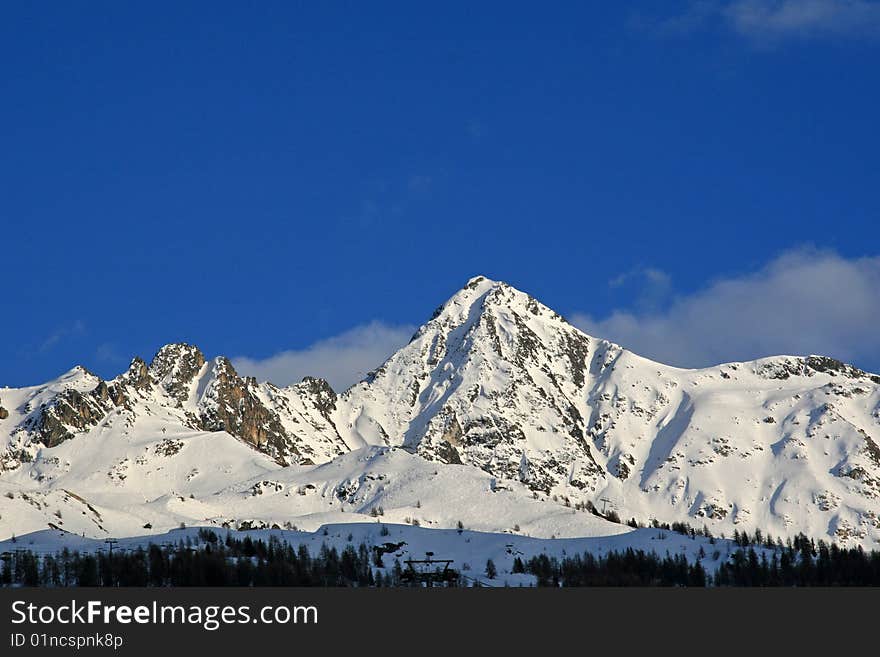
(355, 487)
(498, 415)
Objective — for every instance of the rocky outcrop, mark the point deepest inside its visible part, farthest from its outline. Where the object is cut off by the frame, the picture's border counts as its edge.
(833, 366)
(784, 367)
(137, 376)
(220, 400)
(73, 411)
(320, 393)
(70, 413)
(174, 367)
(306, 412)
(230, 403)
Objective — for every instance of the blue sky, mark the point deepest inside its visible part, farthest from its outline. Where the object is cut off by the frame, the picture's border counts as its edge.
(299, 185)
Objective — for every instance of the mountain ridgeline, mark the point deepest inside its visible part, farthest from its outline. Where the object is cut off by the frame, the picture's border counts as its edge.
(497, 382)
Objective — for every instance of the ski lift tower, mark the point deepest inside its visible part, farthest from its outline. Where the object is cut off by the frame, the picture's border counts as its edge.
(427, 571)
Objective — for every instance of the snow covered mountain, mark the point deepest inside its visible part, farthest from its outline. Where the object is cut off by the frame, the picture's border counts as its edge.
(497, 380)
(179, 389)
(498, 414)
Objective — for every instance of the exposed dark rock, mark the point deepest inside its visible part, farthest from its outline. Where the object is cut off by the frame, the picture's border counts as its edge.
(782, 368)
(101, 393)
(322, 394)
(447, 453)
(168, 447)
(71, 411)
(231, 405)
(528, 343)
(833, 366)
(625, 463)
(451, 438)
(138, 375)
(474, 282)
(577, 348)
(489, 322)
(175, 367)
(871, 448)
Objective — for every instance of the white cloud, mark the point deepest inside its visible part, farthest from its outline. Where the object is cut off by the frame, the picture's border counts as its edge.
(654, 286)
(773, 19)
(695, 17)
(71, 329)
(770, 21)
(107, 352)
(343, 359)
(803, 302)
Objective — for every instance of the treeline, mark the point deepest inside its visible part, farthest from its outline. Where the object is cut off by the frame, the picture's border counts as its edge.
(799, 562)
(627, 568)
(212, 561)
(802, 562)
(741, 538)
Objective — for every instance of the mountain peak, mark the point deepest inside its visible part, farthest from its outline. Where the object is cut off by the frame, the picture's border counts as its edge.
(175, 353)
(175, 366)
(481, 296)
(476, 288)
(479, 281)
(489, 381)
(137, 375)
(79, 372)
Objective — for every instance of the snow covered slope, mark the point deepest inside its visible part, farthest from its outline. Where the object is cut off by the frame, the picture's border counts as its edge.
(122, 486)
(498, 414)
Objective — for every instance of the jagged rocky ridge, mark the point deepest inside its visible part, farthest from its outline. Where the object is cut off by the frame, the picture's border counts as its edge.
(193, 393)
(498, 381)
